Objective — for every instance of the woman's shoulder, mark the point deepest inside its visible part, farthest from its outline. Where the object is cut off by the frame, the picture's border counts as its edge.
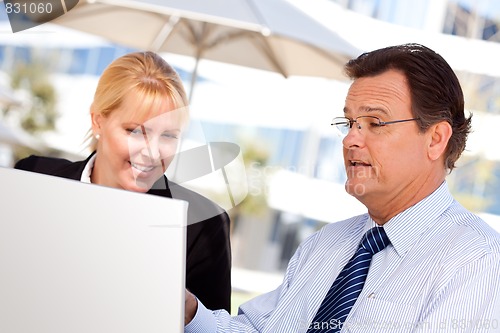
(51, 166)
(200, 208)
(41, 164)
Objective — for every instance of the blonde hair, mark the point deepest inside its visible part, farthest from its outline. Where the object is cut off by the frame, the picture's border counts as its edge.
(146, 74)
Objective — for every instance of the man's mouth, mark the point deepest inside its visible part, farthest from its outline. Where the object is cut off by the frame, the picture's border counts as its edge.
(359, 163)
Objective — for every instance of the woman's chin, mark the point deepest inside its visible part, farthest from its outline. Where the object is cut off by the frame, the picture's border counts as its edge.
(144, 181)
(139, 185)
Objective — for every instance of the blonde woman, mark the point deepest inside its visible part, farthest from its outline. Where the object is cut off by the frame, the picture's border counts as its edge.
(137, 116)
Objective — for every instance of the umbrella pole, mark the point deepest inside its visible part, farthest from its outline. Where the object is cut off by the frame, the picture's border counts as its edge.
(194, 76)
(193, 82)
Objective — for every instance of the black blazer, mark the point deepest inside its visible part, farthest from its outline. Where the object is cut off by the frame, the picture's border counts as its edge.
(208, 262)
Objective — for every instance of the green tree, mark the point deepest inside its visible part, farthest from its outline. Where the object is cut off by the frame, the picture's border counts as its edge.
(255, 158)
(40, 114)
(469, 181)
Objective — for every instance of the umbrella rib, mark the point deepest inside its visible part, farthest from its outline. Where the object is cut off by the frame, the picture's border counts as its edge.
(263, 43)
(165, 33)
(268, 51)
(228, 37)
(198, 40)
(337, 58)
(334, 57)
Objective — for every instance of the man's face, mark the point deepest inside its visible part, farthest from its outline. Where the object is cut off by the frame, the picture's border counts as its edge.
(388, 164)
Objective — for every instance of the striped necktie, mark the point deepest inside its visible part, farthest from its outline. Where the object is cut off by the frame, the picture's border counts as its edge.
(346, 288)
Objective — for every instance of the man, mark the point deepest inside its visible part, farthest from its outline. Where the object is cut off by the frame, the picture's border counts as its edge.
(436, 266)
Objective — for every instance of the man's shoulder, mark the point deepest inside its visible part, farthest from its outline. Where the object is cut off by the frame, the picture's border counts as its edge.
(337, 231)
(473, 228)
(354, 222)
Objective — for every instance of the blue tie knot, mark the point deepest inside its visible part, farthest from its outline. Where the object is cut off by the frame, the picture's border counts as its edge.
(375, 240)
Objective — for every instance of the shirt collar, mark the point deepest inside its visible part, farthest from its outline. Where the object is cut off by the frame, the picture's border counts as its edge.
(87, 171)
(406, 228)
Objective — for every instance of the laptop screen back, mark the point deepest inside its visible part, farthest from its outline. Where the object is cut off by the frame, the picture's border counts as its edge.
(78, 257)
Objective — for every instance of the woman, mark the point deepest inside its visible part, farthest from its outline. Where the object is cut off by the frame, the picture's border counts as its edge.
(138, 113)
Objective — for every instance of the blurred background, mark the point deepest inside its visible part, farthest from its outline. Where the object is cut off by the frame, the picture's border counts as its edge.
(292, 159)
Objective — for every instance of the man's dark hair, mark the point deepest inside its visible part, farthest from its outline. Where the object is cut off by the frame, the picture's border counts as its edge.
(436, 94)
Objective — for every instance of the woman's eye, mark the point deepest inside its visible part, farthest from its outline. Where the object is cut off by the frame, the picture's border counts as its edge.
(136, 131)
(169, 135)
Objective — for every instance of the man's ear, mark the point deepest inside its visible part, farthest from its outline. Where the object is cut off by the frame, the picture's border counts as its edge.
(440, 134)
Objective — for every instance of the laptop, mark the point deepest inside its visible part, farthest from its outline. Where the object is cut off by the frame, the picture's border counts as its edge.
(78, 257)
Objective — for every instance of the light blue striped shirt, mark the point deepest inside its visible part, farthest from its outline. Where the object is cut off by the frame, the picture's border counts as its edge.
(441, 273)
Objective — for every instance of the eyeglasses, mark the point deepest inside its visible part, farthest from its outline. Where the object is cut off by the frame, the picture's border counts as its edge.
(368, 124)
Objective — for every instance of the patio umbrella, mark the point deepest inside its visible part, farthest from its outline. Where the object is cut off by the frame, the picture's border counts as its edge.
(271, 35)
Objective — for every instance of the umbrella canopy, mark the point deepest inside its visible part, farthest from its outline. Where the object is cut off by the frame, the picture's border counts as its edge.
(271, 35)
(463, 54)
(53, 37)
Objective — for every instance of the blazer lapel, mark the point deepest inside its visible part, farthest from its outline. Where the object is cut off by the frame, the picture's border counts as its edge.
(161, 188)
(72, 170)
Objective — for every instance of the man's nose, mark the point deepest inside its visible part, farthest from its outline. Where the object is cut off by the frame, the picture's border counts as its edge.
(354, 137)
